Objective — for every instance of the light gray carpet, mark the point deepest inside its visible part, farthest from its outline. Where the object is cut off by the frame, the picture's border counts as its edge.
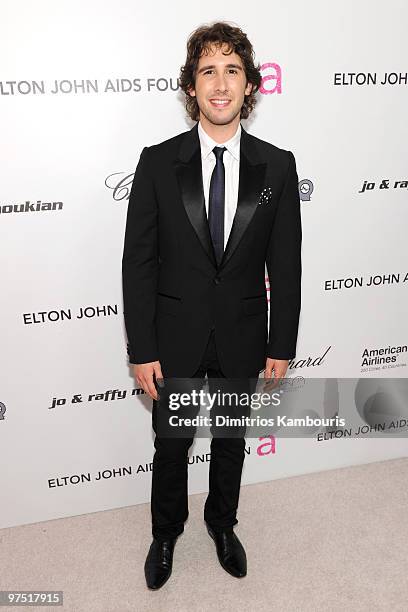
(336, 540)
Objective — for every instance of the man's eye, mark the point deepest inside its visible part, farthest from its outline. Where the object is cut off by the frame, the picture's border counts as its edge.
(233, 70)
(207, 71)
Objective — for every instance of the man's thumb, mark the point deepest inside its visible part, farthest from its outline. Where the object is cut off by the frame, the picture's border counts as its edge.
(159, 375)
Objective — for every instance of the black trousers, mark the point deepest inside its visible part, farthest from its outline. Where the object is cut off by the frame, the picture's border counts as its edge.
(169, 493)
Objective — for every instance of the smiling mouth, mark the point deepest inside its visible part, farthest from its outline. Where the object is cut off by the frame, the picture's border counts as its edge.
(219, 102)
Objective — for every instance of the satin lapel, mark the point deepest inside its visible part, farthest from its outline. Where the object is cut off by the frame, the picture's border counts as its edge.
(190, 178)
(251, 179)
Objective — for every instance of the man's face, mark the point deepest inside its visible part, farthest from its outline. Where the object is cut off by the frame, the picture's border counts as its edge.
(220, 85)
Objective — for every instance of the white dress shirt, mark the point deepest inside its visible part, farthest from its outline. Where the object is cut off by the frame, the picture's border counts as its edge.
(231, 165)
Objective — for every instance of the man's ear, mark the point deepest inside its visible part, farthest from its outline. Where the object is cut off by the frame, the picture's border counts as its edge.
(248, 88)
(191, 92)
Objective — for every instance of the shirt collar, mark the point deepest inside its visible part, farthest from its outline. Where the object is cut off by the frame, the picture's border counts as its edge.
(207, 143)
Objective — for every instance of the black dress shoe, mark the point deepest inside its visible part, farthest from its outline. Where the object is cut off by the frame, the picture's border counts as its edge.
(159, 563)
(231, 553)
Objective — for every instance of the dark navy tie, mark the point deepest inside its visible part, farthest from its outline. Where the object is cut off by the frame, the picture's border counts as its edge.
(217, 204)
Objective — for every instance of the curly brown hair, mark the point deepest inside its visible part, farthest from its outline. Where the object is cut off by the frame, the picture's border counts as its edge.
(218, 34)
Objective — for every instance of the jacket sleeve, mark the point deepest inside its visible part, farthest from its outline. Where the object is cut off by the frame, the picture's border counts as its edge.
(140, 265)
(284, 267)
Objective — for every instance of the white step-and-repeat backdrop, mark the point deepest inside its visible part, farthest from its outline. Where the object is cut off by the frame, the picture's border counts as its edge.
(83, 87)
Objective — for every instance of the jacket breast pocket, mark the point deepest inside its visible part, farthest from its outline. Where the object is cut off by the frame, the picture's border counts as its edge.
(168, 304)
(255, 305)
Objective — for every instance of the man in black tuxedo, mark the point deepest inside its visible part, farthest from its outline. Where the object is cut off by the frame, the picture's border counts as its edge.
(207, 209)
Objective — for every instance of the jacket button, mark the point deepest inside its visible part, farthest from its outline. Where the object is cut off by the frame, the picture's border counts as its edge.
(217, 280)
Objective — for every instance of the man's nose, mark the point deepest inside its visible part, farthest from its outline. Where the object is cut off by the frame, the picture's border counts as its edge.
(221, 83)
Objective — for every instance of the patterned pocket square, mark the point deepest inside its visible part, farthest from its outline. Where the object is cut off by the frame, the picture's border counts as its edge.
(265, 196)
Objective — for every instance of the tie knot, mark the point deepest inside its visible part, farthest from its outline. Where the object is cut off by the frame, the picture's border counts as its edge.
(219, 152)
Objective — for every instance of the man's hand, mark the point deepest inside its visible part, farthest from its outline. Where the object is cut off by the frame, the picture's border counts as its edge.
(144, 373)
(279, 366)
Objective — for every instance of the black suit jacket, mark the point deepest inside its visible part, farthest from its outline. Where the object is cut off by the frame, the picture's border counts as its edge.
(173, 291)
